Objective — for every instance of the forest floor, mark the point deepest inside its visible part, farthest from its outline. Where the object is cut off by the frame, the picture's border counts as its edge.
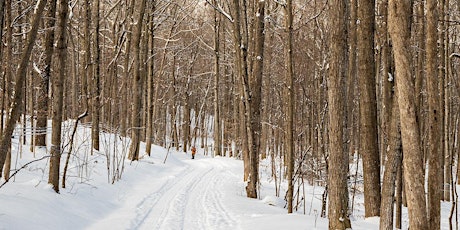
(153, 193)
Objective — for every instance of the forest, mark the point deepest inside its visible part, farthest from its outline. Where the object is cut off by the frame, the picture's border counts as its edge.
(358, 97)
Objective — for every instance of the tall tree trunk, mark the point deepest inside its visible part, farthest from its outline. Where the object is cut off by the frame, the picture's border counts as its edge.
(435, 156)
(241, 72)
(290, 91)
(58, 94)
(151, 98)
(217, 131)
(15, 109)
(137, 84)
(368, 108)
(96, 89)
(338, 158)
(252, 99)
(399, 27)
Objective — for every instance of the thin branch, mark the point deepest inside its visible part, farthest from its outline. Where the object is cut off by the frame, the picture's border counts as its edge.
(23, 167)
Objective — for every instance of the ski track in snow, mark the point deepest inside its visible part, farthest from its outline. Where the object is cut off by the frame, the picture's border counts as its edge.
(191, 199)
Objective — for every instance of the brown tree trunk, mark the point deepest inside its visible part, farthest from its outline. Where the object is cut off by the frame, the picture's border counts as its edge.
(368, 108)
(434, 155)
(338, 158)
(217, 129)
(42, 103)
(289, 75)
(392, 165)
(58, 94)
(137, 84)
(151, 100)
(399, 29)
(252, 101)
(96, 89)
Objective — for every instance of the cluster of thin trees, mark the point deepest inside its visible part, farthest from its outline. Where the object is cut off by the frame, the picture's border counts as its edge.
(315, 84)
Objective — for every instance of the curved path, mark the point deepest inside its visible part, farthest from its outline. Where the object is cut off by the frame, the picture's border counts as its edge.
(188, 198)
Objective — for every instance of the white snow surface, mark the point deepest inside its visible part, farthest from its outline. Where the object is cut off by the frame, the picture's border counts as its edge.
(204, 193)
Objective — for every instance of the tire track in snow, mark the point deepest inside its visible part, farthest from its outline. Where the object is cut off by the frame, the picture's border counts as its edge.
(218, 216)
(173, 217)
(146, 205)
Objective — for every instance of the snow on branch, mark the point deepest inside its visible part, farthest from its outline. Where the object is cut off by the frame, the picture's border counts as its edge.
(220, 10)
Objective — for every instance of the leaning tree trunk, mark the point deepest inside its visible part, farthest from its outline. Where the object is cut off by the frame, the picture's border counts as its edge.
(137, 84)
(15, 109)
(58, 94)
(399, 27)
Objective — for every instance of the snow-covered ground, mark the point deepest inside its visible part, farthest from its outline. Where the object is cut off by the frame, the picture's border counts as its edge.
(179, 193)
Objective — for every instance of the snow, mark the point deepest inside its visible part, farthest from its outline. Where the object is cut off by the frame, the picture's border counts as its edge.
(204, 193)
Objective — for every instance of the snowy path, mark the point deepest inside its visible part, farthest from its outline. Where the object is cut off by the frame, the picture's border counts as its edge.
(189, 198)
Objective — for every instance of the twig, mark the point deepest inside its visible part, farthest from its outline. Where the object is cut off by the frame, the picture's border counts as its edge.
(24, 166)
(71, 146)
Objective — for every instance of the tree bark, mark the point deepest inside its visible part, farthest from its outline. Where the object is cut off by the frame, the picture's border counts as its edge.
(338, 158)
(217, 129)
(137, 84)
(290, 91)
(58, 94)
(368, 108)
(435, 179)
(96, 89)
(151, 97)
(399, 29)
(392, 165)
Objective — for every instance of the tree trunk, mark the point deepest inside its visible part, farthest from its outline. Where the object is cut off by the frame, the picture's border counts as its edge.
(435, 156)
(151, 97)
(338, 158)
(392, 165)
(96, 89)
(290, 91)
(217, 131)
(137, 84)
(42, 103)
(368, 108)
(87, 66)
(399, 29)
(57, 99)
